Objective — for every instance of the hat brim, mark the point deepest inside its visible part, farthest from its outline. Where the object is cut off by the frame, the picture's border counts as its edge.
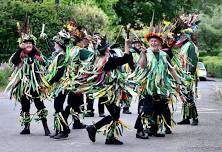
(136, 41)
(150, 35)
(32, 41)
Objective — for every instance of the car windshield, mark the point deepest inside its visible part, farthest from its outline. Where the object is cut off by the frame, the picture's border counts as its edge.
(201, 65)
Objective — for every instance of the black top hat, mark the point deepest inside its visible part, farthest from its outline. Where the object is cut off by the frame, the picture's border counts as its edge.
(103, 46)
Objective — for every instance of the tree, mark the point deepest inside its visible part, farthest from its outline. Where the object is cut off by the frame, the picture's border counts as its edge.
(139, 13)
(210, 31)
(205, 6)
(54, 19)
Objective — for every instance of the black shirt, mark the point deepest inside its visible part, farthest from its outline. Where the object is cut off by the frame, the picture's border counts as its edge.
(114, 62)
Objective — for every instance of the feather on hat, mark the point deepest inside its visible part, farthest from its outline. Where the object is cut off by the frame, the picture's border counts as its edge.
(25, 32)
(154, 32)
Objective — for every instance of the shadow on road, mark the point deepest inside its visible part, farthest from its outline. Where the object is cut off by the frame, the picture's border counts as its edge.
(211, 79)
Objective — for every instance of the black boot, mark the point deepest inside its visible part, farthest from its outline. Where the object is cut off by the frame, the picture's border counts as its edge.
(195, 122)
(77, 124)
(63, 122)
(55, 134)
(113, 141)
(147, 130)
(159, 134)
(168, 130)
(26, 130)
(154, 132)
(91, 132)
(61, 135)
(45, 126)
(142, 135)
(184, 122)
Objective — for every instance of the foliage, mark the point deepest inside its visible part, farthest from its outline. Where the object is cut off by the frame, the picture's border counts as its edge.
(94, 19)
(110, 30)
(43, 12)
(107, 17)
(210, 31)
(139, 13)
(213, 65)
(15, 11)
(205, 6)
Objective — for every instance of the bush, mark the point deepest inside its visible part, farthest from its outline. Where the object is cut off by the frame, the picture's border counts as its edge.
(4, 57)
(94, 19)
(202, 54)
(4, 74)
(213, 65)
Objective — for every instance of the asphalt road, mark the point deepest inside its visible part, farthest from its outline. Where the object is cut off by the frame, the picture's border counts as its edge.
(206, 137)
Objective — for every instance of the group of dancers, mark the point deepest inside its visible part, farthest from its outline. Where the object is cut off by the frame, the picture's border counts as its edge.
(157, 71)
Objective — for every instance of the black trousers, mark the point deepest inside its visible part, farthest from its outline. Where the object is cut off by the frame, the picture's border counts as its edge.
(161, 108)
(58, 105)
(59, 101)
(114, 115)
(146, 107)
(25, 103)
(74, 101)
(153, 106)
(101, 107)
(90, 103)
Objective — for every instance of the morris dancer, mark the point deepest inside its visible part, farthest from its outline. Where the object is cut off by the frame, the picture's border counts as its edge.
(26, 79)
(108, 65)
(159, 84)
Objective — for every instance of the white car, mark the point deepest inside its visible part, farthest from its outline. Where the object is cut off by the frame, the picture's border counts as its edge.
(201, 71)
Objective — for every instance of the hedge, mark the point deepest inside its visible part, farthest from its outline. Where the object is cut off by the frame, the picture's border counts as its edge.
(213, 65)
(215, 52)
